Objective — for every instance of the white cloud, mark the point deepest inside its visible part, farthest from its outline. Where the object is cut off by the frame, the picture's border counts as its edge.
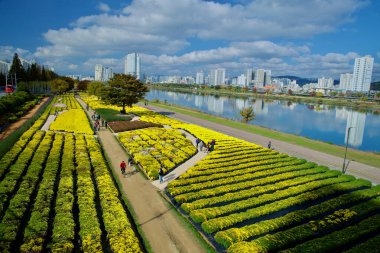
(103, 7)
(7, 53)
(242, 31)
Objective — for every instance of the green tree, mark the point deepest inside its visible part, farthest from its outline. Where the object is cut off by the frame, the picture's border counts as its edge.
(59, 85)
(94, 88)
(17, 70)
(82, 85)
(247, 114)
(123, 90)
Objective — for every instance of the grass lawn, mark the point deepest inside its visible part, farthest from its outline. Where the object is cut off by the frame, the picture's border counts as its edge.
(369, 158)
(112, 115)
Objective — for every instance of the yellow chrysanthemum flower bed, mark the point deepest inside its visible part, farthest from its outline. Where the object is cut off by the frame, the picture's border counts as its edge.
(72, 121)
(154, 148)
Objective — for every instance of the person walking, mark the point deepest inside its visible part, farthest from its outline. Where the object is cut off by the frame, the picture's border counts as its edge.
(130, 161)
(102, 122)
(161, 175)
(269, 144)
(201, 144)
(87, 107)
(123, 165)
(197, 140)
(105, 124)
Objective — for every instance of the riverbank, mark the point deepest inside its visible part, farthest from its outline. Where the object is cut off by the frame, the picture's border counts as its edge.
(356, 104)
(369, 158)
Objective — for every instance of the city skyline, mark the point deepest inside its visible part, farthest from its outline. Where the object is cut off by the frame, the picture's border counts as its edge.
(173, 40)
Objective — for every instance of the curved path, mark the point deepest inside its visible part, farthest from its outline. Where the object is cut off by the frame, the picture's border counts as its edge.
(355, 168)
(161, 226)
(183, 167)
(16, 125)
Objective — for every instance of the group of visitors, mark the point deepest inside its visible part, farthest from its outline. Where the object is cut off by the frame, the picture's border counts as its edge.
(98, 121)
(209, 147)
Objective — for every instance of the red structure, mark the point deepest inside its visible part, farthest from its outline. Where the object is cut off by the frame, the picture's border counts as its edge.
(9, 88)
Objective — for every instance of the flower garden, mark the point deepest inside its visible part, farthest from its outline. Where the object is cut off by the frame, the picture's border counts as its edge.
(58, 194)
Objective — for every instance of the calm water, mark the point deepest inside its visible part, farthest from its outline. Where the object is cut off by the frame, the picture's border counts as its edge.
(320, 122)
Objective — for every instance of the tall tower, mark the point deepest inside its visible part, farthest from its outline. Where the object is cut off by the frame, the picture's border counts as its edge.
(98, 72)
(132, 65)
(217, 76)
(361, 77)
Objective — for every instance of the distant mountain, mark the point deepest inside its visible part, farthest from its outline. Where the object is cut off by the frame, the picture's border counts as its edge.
(302, 81)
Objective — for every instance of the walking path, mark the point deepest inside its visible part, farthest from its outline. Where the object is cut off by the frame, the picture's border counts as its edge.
(16, 125)
(183, 167)
(160, 225)
(355, 168)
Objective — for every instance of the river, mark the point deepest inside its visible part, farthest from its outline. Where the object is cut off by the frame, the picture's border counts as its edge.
(320, 122)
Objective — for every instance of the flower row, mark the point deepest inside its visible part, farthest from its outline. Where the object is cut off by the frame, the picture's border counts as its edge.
(204, 214)
(303, 170)
(36, 230)
(239, 178)
(18, 205)
(221, 223)
(256, 191)
(63, 225)
(10, 180)
(115, 219)
(234, 235)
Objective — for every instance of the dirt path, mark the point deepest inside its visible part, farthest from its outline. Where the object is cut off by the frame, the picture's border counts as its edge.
(162, 228)
(16, 125)
(357, 169)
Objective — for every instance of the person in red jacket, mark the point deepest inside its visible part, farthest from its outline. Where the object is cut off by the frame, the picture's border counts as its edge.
(123, 165)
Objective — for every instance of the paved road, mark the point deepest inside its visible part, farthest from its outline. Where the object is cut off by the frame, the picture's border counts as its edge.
(357, 169)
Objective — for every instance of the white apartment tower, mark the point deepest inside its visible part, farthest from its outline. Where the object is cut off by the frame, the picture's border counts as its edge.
(217, 76)
(250, 76)
(361, 77)
(98, 72)
(200, 78)
(325, 82)
(132, 65)
(345, 82)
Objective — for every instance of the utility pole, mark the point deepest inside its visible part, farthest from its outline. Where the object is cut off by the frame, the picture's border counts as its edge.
(345, 166)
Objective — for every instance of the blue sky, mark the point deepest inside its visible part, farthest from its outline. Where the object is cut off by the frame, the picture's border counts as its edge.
(294, 37)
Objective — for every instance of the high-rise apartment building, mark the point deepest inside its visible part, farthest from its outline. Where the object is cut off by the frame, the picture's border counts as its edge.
(217, 76)
(362, 74)
(345, 82)
(4, 67)
(103, 74)
(132, 65)
(263, 78)
(250, 77)
(200, 78)
(98, 72)
(325, 82)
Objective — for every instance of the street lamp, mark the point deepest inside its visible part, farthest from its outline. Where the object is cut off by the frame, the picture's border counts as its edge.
(345, 166)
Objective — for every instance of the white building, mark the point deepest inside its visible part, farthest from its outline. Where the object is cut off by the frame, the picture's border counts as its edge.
(217, 76)
(345, 81)
(132, 65)
(241, 80)
(4, 67)
(262, 78)
(362, 75)
(98, 72)
(200, 78)
(103, 74)
(325, 83)
(250, 77)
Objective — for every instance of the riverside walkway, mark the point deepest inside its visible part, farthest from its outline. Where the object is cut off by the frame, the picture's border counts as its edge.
(355, 168)
(161, 226)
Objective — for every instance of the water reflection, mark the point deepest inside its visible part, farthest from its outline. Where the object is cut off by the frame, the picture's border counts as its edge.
(322, 122)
